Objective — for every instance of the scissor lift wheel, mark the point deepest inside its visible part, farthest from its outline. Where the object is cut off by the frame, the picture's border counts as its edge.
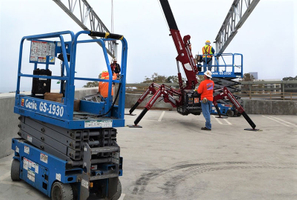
(230, 113)
(117, 195)
(15, 170)
(61, 191)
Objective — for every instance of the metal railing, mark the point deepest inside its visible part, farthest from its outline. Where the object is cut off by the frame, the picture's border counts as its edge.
(276, 90)
(268, 90)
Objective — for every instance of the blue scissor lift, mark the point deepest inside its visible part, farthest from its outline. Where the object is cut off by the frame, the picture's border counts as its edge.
(225, 68)
(67, 153)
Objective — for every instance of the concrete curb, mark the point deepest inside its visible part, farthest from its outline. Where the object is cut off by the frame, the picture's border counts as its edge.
(270, 107)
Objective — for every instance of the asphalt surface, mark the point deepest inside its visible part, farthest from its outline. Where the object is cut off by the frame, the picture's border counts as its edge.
(171, 158)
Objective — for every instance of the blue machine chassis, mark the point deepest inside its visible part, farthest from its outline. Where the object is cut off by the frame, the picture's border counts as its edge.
(41, 169)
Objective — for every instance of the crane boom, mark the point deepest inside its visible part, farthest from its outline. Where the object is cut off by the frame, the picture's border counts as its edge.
(86, 14)
(182, 46)
(238, 13)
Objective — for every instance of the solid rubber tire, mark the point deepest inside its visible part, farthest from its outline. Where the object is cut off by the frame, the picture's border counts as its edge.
(61, 191)
(117, 195)
(15, 170)
(230, 113)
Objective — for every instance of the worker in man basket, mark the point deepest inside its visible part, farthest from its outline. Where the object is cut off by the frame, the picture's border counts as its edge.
(206, 90)
(207, 52)
(115, 67)
(103, 86)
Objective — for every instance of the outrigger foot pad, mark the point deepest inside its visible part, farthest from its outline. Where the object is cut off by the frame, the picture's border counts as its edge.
(134, 126)
(223, 117)
(252, 129)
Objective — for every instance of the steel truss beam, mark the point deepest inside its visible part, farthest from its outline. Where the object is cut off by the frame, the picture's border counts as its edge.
(238, 13)
(82, 13)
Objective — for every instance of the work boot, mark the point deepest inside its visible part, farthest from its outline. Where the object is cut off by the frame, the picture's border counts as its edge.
(205, 129)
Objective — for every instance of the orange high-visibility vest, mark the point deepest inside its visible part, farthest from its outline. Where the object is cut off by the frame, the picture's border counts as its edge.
(207, 50)
(103, 86)
(206, 89)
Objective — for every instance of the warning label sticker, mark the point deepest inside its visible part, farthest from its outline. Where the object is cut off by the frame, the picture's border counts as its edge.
(98, 123)
(27, 150)
(29, 138)
(31, 175)
(85, 183)
(43, 157)
(30, 165)
(41, 50)
(58, 176)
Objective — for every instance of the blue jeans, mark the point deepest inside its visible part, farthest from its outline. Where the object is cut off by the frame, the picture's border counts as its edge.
(207, 64)
(206, 110)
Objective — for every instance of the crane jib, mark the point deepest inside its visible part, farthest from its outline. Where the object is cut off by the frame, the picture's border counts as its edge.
(168, 14)
(182, 46)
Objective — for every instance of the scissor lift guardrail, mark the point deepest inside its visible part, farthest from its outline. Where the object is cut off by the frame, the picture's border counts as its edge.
(61, 113)
(226, 65)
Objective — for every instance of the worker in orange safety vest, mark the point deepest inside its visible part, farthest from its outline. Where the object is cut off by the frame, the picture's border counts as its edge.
(206, 88)
(208, 52)
(103, 86)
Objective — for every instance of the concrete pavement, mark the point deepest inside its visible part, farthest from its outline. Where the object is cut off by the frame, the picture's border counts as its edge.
(171, 158)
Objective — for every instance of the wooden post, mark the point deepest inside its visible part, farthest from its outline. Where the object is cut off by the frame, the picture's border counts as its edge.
(250, 87)
(282, 90)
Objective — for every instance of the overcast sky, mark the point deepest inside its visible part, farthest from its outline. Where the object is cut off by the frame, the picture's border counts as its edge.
(267, 40)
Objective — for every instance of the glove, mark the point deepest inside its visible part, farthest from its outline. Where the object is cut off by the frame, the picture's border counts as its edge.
(204, 100)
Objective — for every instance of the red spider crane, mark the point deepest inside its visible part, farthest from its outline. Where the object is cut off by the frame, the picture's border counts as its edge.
(185, 99)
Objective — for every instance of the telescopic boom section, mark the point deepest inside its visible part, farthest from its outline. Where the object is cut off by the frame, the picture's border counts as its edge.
(182, 46)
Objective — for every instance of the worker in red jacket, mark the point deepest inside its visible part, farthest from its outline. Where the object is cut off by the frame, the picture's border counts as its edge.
(115, 67)
(206, 90)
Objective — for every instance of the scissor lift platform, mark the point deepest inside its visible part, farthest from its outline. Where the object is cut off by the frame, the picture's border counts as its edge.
(226, 65)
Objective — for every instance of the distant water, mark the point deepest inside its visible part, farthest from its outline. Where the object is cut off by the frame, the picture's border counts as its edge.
(8, 88)
(12, 88)
(27, 87)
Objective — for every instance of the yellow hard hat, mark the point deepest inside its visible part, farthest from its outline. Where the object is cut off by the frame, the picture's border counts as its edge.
(207, 42)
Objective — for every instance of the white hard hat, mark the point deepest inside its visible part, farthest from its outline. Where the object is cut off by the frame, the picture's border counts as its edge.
(208, 74)
(114, 59)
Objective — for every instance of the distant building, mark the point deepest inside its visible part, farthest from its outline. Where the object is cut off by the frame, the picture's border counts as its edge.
(254, 74)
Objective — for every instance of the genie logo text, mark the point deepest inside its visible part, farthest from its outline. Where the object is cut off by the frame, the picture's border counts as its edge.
(30, 104)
